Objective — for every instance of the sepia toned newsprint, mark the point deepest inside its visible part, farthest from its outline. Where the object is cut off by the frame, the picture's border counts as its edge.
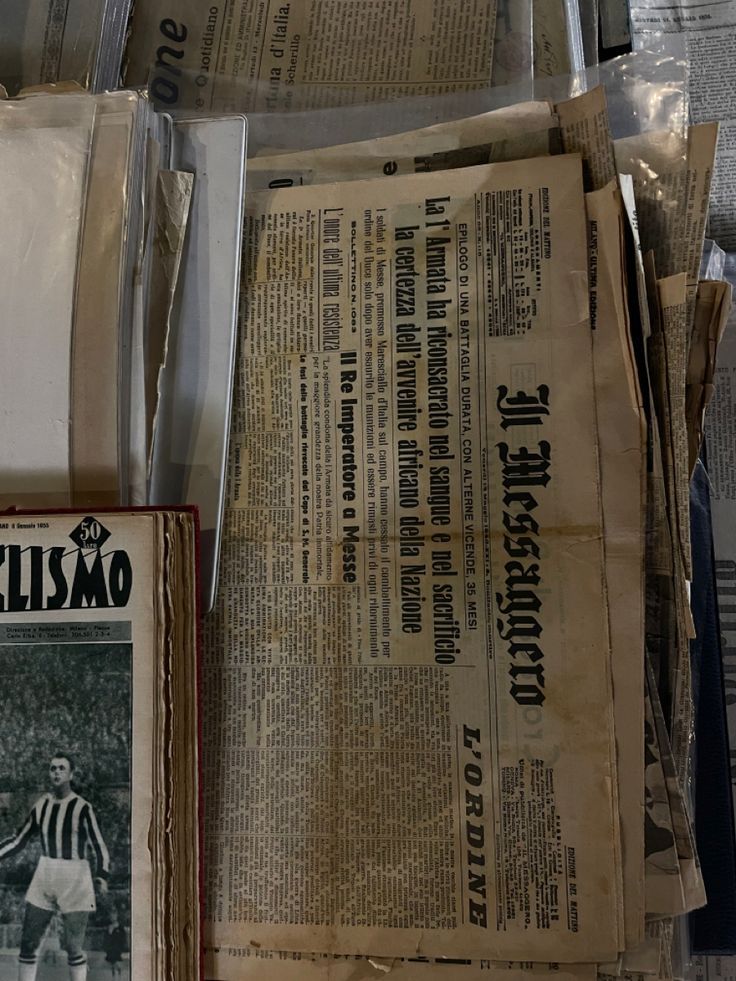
(254, 964)
(76, 743)
(408, 727)
(289, 54)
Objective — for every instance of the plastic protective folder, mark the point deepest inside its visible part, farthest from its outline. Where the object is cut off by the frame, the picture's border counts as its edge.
(191, 442)
(712, 928)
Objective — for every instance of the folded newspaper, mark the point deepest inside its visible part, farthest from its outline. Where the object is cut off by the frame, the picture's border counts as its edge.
(447, 696)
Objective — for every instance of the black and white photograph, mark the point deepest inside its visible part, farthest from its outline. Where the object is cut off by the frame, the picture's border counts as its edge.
(65, 811)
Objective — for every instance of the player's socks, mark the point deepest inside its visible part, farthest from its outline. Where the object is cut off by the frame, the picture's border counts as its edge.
(27, 970)
(78, 972)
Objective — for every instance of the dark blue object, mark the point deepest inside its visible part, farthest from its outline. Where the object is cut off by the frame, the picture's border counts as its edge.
(713, 928)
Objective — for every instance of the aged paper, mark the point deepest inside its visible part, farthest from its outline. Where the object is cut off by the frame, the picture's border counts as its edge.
(690, 875)
(171, 216)
(709, 31)
(712, 310)
(386, 350)
(672, 175)
(551, 44)
(622, 441)
(614, 20)
(585, 130)
(525, 130)
(664, 890)
(672, 296)
(290, 54)
(513, 45)
(712, 969)
(251, 964)
(673, 343)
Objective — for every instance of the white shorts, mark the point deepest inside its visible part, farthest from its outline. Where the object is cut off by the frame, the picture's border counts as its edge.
(62, 885)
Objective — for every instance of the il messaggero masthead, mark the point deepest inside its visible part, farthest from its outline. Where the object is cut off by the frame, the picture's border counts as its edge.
(37, 577)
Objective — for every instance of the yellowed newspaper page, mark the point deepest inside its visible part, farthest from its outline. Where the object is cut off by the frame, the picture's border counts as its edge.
(663, 883)
(672, 294)
(250, 964)
(287, 54)
(551, 43)
(525, 130)
(672, 179)
(622, 436)
(712, 309)
(584, 122)
(692, 880)
(409, 734)
(585, 129)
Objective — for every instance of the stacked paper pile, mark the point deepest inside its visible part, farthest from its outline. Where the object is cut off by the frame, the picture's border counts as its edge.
(447, 689)
(126, 232)
(451, 733)
(88, 195)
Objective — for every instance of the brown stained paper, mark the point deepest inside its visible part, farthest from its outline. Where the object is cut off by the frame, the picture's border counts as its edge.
(252, 964)
(551, 43)
(672, 295)
(690, 874)
(664, 889)
(520, 131)
(374, 454)
(622, 440)
(308, 53)
(672, 174)
(585, 129)
(173, 197)
(712, 309)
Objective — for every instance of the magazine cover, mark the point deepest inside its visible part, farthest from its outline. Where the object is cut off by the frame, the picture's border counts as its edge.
(76, 610)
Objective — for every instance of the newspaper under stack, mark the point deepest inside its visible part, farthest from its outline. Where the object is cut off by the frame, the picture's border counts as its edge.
(125, 231)
(86, 293)
(447, 698)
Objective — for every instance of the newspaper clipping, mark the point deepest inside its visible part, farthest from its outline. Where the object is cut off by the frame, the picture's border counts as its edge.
(440, 628)
(285, 54)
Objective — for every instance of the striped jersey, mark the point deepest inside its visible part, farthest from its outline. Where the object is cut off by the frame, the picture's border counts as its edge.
(65, 828)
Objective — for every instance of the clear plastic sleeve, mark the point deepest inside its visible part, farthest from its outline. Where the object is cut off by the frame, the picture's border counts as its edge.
(44, 158)
(51, 40)
(303, 66)
(645, 92)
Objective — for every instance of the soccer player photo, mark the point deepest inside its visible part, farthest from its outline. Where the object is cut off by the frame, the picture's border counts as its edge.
(65, 843)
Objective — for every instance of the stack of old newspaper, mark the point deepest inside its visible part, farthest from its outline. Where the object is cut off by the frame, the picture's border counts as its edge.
(112, 210)
(82, 174)
(446, 684)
